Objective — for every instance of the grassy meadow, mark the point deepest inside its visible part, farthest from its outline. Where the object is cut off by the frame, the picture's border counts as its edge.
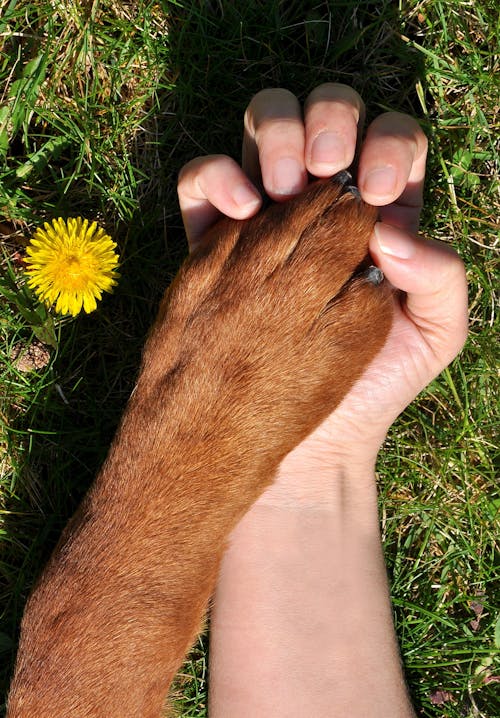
(102, 102)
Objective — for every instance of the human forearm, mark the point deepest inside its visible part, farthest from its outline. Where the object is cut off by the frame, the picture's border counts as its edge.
(302, 623)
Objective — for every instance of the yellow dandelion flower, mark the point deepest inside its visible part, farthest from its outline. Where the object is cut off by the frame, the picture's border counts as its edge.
(70, 263)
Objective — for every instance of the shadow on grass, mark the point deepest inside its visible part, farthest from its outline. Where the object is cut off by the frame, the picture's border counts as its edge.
(220, 54)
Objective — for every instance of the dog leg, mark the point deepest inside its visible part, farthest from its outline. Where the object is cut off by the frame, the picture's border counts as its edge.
(265, 329)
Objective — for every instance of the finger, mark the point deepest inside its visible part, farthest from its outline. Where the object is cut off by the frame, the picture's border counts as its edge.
(273, 143)
(211, 186)
(433, 277)
(392, 168)
(334, 116)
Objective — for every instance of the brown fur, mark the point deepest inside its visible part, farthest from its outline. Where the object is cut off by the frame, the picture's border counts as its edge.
(260, 336)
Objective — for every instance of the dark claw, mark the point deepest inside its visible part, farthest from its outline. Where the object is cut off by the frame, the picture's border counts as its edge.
(374, 275)
(353, 190)
(344, 178)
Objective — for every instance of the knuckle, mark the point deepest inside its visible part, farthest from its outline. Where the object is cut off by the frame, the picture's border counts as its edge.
(337, 92)
(266, 103)
(187, 169)
(405, 126)
(202, 163)
(272, 95)
(455, 277)
(456, 267)
(278, 131)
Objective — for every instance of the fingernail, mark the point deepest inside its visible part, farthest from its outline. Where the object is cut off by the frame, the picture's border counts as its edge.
(244, 195)
(288, 176)
(394, 242)
(380, 181)
(328, 148)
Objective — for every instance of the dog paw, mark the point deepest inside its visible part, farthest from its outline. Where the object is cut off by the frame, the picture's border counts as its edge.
(272, 319)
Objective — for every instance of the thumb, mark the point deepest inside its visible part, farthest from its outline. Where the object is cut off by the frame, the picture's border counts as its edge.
(432, 275)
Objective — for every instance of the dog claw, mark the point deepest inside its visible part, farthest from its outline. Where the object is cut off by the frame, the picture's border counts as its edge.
(343, 177)
(374, 275)
(353, 190)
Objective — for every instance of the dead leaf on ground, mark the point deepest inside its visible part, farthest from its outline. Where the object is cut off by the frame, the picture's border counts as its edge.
(478, 609)
(437, 698)
(33, 357)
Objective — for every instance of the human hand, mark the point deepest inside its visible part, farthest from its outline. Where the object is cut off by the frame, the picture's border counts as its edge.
(430, 320)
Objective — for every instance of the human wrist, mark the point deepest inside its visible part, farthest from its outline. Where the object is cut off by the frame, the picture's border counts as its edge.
(322, 481)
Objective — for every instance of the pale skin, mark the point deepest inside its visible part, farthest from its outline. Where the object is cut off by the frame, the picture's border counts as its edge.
(301, 621)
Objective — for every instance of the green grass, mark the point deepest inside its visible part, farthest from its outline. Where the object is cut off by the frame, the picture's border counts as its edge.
(102, 104)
